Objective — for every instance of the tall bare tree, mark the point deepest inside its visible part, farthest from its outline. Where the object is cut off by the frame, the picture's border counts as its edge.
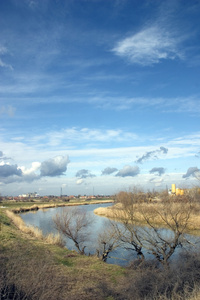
(172, 216)
(154, 218)
(74, 223)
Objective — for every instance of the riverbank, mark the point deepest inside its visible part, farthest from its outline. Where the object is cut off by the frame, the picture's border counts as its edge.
(20, 207)
(117, 212)
(54, 239)
(34, 269)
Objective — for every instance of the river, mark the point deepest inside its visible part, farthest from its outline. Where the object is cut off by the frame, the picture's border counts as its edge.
(43, 219)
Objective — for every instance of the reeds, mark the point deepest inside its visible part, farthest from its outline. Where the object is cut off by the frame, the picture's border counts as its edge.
(54, 239)
(141, 209)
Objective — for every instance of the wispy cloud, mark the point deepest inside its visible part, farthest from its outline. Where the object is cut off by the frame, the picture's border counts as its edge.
(89, 135)
(7, 110)
(152, 155)
(3, 50)
(189, 140)
(4, 65)
(189, 104)
(149, 46)
(156, 181)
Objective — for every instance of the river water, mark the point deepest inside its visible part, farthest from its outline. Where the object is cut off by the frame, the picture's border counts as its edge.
(43, 219)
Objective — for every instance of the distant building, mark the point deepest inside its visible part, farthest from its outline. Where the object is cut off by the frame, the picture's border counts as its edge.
(30, 195)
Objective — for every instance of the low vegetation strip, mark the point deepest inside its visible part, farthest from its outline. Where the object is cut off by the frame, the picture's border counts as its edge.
(46, 206)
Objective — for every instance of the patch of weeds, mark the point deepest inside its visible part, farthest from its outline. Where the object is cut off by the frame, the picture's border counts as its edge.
(11, 235)
(65, 261)
(4, 220)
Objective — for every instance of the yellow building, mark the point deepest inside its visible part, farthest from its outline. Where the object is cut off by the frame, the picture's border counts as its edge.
(176, 191)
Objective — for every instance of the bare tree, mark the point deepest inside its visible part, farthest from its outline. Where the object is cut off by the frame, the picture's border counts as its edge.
(160, 242)
(143, 226)
(108, 241)
(74, 224)
(127, 230)
(131, 237)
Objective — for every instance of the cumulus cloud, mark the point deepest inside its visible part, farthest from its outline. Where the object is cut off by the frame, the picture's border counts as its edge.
(192, 171)
(7, 170)
(13, 173)
(159, 171)
(128, 171)
(84, 174)
(149, 46)
(54, 166)
(34, 167)
(108, 171)
(152, 155)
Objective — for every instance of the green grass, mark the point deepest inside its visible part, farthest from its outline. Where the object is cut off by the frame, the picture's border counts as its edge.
(12, 205)
(4, 220)
(81, 272)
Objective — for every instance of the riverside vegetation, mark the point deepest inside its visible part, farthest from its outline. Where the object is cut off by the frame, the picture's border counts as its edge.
(37, 267)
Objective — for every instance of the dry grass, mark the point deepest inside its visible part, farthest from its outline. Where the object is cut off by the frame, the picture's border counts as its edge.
(117, 212)
(54, 239)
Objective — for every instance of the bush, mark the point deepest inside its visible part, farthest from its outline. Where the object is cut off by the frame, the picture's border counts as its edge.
(148, 281)
(26, 275)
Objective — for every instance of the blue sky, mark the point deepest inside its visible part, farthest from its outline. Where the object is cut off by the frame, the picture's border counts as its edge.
(98, 95)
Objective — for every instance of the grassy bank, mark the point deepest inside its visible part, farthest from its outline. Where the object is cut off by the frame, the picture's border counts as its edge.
(18, 207)
(35, 269)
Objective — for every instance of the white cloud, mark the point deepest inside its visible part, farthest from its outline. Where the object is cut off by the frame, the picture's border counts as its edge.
(3, 50)
(149, 46)
(4, 65)
(34, 167)
(86, 135)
